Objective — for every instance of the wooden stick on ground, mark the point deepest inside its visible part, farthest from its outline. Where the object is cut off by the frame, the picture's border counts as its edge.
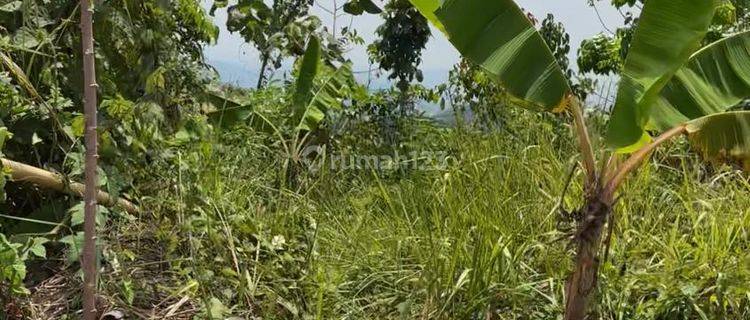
(49, 180)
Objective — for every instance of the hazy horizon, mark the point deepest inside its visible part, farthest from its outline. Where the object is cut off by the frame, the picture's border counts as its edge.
(237, 62)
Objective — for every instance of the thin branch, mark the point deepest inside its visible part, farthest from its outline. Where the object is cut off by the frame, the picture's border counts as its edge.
(601, 21)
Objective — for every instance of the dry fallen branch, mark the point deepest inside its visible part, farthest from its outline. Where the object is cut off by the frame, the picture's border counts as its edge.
(49, 180)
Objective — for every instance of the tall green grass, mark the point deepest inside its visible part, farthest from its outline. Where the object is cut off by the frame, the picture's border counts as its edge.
(481, 239)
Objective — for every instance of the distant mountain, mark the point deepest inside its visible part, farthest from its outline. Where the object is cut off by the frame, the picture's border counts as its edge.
(245, 74)
(236, 73)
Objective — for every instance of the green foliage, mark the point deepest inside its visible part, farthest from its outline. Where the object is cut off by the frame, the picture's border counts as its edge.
(652, 61)
(723, 137)
(427, 8)
(308, 70)
(13, 257)
(13, 269)
(601, 55)
(357, 7)
(401, 39)
(558, 40)
(714, 80)
(277, 30)
(368, 245)
(4, 135)
(228, 236)
(152, 64)
(605, 54)
(378, 122)
(527, 70)
(150, 74)
(469, 89)
(327, 97)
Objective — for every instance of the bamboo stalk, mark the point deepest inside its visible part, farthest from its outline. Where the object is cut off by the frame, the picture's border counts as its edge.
(49, 180)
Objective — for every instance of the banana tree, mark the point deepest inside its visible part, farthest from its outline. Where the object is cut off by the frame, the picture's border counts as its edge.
(668, 88)
(316, 93)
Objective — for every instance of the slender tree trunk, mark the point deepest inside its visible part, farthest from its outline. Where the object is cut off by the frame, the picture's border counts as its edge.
(262, 75)
(88, 259)
(582, 282)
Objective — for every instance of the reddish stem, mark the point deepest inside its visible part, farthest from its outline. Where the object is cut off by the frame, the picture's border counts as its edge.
(635, 160)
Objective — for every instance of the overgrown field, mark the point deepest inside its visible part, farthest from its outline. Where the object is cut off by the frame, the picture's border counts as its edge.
(480, 239)
(319, 195)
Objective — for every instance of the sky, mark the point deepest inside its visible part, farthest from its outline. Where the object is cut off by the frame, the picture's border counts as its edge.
(238, 63)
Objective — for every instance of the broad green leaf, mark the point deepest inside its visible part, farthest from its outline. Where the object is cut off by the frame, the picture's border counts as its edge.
(77, 215)
(11, 6)
(370, 7)
(28, 37)
(78, 125)
(427, 8)
(12, 266)
(500, 38)
(226, 112)
(310, 105)
(36, 247)
(308, 70)
(74, 243)
(216, 310)
(715, 79)
(353, 8)
(357, 7)
(722, 136)
(669, 32)
(328, 96)
(4, 136)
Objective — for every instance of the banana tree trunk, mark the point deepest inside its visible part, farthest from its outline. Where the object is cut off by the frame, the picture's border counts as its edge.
(582, 283)
(88, 258)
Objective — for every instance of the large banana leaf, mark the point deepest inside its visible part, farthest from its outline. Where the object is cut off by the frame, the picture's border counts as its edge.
(669, 32)
(499, 37)
(310, 103)
(715, 79)
(224, 111)
(722, 136)
(427, 8)
(308, 70)
(328, 96)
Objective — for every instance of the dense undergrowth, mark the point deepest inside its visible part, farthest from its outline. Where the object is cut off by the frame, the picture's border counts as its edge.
(482, 238)
(471, 222)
